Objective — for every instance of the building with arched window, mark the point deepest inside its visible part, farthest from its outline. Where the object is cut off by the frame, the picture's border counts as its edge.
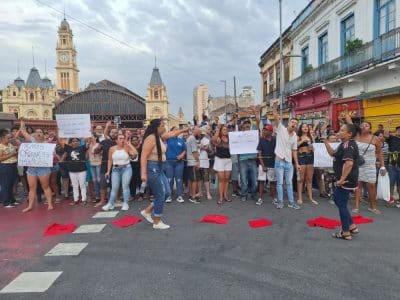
(33, 99)
(104, 101)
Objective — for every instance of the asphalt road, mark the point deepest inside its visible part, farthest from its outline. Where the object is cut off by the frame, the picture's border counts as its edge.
(288, 260)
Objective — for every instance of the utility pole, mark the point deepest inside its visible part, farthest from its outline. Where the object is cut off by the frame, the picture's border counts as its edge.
(281, 79)
(234, 94)
(226, 117)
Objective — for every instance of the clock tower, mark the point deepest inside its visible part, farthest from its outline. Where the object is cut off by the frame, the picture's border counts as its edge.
(66, 67)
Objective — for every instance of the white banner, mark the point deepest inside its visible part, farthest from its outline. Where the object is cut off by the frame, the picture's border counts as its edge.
(243, 142)
(322, 159)
(36, 155)
(74, 126)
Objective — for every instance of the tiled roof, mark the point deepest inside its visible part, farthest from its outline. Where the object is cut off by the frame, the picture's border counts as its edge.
(34, 79)
(19, 82)
(155, 77)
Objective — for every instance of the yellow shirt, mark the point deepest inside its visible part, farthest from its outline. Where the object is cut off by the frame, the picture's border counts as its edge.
(7, 150)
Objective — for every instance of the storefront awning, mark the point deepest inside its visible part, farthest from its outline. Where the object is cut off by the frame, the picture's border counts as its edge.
(380, 93)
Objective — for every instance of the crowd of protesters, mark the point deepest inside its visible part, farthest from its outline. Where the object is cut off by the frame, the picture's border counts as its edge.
(188, 163)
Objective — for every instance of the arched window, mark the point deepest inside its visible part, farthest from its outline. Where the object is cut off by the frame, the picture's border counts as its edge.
(16, 113)
(14, 93)
(31, 97)
(31, 114)
(155, 94)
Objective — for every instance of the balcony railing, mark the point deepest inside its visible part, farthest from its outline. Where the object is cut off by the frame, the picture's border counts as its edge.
(382, 49)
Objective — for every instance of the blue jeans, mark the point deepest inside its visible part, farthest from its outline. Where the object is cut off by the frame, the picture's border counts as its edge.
(341, 197)
(8, 176)
(159, 185)
(96, 179)
(174, 171)
(284, 169)
(248, 177)
(118, 175)
(394, 175)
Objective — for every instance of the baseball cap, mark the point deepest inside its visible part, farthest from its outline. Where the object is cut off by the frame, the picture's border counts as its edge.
(268, 127)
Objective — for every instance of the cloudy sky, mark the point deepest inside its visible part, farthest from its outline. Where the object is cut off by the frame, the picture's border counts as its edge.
(194, 41)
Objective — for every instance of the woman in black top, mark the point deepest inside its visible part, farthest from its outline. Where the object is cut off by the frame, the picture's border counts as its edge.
(306, 161)
(223, 162)
(345, 165)
(75, 155)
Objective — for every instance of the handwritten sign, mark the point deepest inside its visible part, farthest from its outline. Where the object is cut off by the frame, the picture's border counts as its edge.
(322, 159)
(36, 155)
(73, 125)
(243, 142)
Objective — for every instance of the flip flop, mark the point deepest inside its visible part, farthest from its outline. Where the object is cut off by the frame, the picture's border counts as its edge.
(374, 211)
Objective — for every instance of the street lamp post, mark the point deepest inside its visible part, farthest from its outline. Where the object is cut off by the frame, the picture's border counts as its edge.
(226, 117)
(281, 80)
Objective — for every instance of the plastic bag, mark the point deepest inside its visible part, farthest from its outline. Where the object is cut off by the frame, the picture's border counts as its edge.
(383, 190)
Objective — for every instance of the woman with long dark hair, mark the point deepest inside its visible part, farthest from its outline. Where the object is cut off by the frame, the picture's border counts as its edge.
(152, 169)
(345, 165)
(306, 161)
(223, 162)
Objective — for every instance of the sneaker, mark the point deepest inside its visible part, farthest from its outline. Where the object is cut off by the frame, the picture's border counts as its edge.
(243, 199)
(294, 206)
(125, 206)
(274, 201)
(10, 206)
(180, 199)
(194, 200)
(398, 205)
(108, 206)
(169, 200)
(279, 205)
(160, 225)
(147, 216)
(331, 202)
(259, 202)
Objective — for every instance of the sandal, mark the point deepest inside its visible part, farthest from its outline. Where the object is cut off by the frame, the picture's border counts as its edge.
(340, 235)
(228, 200)
(324, 195)
(219, 202)
(299, 202)
(354, 231)
(355, 211)
(73, 203)
(314, 202)
(374, 210)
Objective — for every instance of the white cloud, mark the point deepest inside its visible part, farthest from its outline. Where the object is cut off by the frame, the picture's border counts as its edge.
(195, 41)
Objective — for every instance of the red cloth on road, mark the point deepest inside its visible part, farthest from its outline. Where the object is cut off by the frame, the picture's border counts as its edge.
(216, 219)
(324, 223)
(361, 220)
(55, 229)
(260, 223)
(127, 221)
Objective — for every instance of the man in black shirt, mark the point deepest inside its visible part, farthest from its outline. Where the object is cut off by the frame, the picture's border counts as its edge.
(394, 159)
(345, 165)
(105, 146)
(266, 159)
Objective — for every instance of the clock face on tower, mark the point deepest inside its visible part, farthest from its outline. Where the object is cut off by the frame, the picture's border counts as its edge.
(64, 57)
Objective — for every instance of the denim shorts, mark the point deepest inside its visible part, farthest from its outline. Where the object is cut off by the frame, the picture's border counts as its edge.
(306, 159)
(38, 171)
(55, 168)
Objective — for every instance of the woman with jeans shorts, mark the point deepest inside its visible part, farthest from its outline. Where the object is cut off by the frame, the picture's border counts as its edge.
(119, 165)
(152, 168)
(35, 174)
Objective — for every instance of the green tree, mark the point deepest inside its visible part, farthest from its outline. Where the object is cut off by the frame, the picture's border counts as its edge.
(353, 45)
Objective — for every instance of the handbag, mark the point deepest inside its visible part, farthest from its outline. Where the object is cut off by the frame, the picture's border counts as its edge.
(361, 159)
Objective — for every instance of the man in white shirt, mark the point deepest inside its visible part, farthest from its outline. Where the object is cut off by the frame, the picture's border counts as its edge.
(204, 161)
(285, 151)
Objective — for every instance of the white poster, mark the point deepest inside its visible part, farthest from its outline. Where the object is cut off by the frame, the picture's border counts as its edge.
(74, 126)
(322, 159)
(243, 142)
(36, 155)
